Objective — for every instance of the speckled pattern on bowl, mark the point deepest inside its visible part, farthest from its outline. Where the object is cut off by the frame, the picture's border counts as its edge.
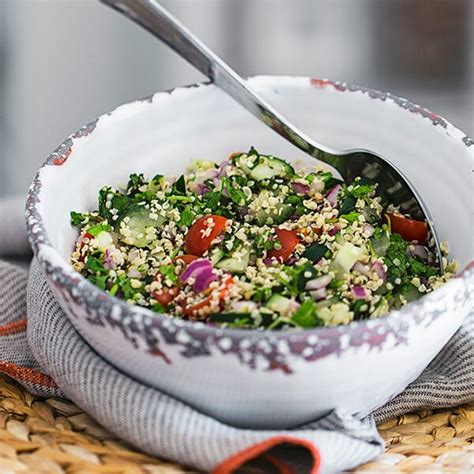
(246, 377)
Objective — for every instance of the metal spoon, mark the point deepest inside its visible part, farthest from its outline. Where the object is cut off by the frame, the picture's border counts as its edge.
(349, 163)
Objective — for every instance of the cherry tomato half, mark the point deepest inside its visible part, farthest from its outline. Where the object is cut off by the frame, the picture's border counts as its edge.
(288, 240)
(205, 306)
(203, 232)
(409, 229)
(83, 244)
(165, 296)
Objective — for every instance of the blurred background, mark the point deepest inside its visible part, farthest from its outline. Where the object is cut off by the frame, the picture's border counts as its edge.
(64, 62)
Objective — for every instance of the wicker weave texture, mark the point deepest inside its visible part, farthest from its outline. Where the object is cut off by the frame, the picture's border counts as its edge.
(54, 436)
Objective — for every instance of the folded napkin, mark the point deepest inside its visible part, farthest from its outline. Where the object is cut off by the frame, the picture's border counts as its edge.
(155, 422)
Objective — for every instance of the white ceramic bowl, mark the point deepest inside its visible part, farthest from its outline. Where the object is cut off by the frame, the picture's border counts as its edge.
(246, 377)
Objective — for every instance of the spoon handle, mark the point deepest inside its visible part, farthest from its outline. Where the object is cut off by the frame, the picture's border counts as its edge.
(159, 22)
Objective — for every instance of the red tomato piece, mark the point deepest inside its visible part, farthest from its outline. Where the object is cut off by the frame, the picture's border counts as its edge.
(165, 296)
(288, 240)
(82, 245)
(205, 305)
(203, 232)
(409, 229)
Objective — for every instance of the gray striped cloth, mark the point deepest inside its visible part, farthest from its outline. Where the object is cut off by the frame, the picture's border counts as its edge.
(163, 426)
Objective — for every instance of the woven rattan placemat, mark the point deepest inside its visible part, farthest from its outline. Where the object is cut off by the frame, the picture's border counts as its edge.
(54, 436)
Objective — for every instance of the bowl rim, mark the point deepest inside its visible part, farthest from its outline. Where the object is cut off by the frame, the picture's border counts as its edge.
(51, 261)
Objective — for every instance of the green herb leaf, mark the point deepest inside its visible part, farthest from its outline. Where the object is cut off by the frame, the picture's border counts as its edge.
(212, 200)
(305, 315)
(351, 217)
(362, 191)
(78, 219)
(329, 180)
(357, 308)
(95, 230)
(187, 217)
(134, 182)
(420, 268)
(235, 194)
(119, 201)
(180, 185)
(98, 280)
(315, 252)
(156, 183)
(95, 265)
(168, 272)
(308, 272)
(348, 205)
(158, 308)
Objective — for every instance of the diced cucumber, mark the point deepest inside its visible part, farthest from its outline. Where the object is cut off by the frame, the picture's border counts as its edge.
(381, 244)
(244, 161)
(216, 255)
(103, 240)
(278, 215)
(235, 264)
(278, 303)
(270, 167)
(156, 184)
(347, 256)
(133, 231)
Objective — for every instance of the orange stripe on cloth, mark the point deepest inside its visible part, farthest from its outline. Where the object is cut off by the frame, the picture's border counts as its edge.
(13, 328)
(25, 374)
(237, 460)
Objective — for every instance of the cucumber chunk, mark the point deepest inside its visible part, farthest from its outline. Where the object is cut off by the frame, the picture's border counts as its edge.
(271, 167)
(278, 303)
(133, 231)
(245, 162)
(347, 256)
(235, 264)
(278, 215)
(103, 240)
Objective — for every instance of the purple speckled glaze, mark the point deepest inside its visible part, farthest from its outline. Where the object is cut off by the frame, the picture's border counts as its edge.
(468, 141)
(310, 345)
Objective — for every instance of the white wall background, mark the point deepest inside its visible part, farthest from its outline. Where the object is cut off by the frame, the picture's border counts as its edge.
(64, 62)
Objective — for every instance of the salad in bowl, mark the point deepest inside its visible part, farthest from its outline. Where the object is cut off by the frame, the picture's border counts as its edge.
(256, 242)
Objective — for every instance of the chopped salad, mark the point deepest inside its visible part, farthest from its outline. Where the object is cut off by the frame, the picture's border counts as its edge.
(254, 242)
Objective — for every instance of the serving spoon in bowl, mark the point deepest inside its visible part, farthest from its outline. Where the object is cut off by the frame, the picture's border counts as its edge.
(349, 163)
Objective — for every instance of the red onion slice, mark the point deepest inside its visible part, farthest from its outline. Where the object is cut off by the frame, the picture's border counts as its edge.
(331, 196)
(109, 262)
(134, 273)
(300, 188)
(203, 279)
(202, 272)
(222, 170)
(318, 283)
(362, 269)
(202, 189)
(318, 295)
(368, 230)
(418, 251)
(380, 270)
(358, 292)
